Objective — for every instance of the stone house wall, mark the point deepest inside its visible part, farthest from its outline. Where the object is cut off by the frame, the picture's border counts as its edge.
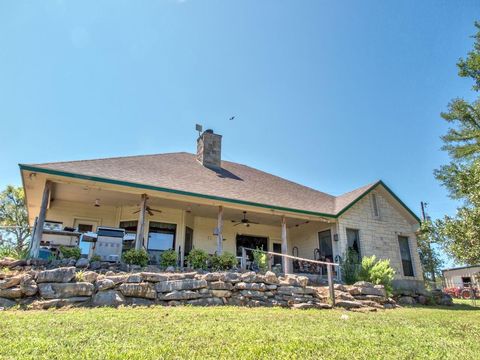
(379, 236)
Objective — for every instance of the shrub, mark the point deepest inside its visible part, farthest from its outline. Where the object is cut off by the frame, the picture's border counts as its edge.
(377, 272)
(136, 257)
(225, 261)
(95, 258)
(260, 260)
(12, 252)
(168, 258)
(197, 259)
(79, 276)
(70, 252)
(350, 267)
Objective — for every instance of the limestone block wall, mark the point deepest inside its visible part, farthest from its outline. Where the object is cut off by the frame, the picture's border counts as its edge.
(379, 235)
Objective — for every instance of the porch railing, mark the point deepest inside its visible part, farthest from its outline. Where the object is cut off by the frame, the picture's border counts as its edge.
(330, 265)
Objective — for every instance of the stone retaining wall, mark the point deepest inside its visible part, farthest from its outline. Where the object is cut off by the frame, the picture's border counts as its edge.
(70, 286)
(34, 284)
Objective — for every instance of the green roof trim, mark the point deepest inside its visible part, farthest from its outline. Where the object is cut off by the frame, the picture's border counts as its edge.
(167, 190)
(213, 197)
(378, 183)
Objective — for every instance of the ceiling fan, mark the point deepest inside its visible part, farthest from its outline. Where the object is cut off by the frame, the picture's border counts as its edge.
(149, 210)
(244, 221)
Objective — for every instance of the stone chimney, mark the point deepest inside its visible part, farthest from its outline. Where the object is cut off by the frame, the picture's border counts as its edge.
(209, 149)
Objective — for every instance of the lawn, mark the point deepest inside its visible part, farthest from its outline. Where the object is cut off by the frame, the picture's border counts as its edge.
(228, 332)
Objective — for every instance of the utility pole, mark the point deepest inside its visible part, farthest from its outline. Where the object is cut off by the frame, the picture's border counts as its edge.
(423, 205)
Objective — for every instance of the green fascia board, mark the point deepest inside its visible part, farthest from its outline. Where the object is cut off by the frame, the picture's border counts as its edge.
(167, 190)
(213, 197)
(378, 183)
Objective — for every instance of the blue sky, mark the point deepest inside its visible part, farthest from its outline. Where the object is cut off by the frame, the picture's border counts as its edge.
(331, 94)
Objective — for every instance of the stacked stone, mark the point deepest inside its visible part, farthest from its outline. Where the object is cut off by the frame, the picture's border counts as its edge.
(413, 297)
(361, 296)
(69, 286)
(78, 286)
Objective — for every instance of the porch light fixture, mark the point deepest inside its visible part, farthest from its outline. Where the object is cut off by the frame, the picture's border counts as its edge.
(335, 237)
(97, 203)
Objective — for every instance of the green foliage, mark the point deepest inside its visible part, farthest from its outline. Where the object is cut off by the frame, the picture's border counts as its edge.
(79, 276)
(12, 251)
(14, 217)
(136, 257)
(226, 261)
(95, 258)
(197, 259)
(378, 272)
(168, 258)
(350, 266)
(70, 252)
(460, 235)
(427, 239)
(260, 259)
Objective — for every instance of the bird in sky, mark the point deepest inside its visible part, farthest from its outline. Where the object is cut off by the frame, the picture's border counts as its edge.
(233, 117)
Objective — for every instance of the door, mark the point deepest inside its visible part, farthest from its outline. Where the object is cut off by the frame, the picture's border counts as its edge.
(84, 226)
(325, 245)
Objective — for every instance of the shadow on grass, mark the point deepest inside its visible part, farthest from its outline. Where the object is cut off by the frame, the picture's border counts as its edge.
(455, 307)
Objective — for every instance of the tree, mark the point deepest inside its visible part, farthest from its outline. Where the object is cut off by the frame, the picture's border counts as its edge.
(460, 235)
(13, 216)
(427, 237)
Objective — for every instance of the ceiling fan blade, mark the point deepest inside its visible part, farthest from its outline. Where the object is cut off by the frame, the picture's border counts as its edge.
(155, 210)
(136, 212)
(253, 222)
(237, 224)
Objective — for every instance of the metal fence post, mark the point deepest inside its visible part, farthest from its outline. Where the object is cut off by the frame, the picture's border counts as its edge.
(330, 284)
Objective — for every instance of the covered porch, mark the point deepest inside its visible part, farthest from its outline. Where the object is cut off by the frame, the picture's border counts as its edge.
(162, 220)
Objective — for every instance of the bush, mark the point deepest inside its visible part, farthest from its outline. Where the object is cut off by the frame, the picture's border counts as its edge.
(168, 258)
(95, 258)
(260, 260)
(377, 272)
(350, 266)
(197, 259)
(136, 257)
(226, 261)
(70, 252)
(12, 252)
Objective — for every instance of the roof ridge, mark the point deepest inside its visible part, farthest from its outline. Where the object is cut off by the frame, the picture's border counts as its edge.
(108, 158)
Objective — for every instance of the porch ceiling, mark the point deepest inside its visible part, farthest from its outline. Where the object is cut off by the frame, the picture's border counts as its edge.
(88, 194)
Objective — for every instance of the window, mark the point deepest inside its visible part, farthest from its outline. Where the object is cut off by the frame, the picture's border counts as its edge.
(376, 211)
(353, 240)
(161, 236)
(406, 256)
(466, 281)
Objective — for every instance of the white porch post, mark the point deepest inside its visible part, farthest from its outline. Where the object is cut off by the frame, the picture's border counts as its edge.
(38, 232)
(285, 260)
(141, 223)
(220, 231)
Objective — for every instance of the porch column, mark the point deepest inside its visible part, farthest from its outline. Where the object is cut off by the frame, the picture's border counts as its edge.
(38, 232)
(285, 261)
(220, 231)
(141, 223)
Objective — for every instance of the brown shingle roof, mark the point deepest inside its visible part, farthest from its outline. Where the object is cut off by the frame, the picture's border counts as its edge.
(181, 171)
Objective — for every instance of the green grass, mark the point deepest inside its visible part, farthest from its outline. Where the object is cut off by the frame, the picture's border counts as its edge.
(228, 332)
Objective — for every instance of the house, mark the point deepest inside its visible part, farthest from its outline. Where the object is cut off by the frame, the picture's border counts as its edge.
(461, 277)
(183, 201)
